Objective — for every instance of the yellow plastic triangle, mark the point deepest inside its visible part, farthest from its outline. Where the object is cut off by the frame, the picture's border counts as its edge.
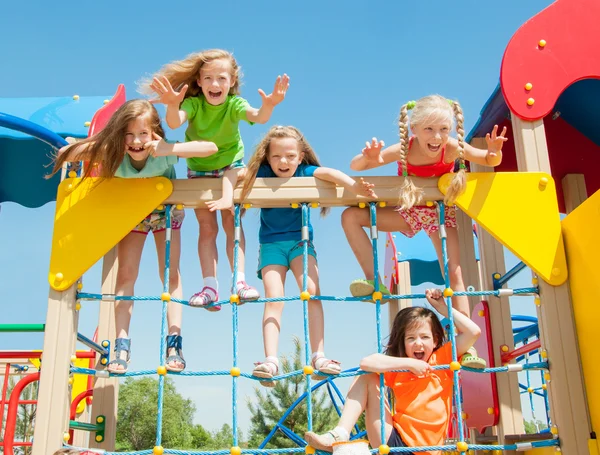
(580, 228)
(520, 210)
(94, 216)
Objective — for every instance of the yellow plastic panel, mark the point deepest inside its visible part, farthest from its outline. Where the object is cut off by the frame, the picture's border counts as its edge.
(580, 229)
(519, 209)
(94, 216)
(80, 382)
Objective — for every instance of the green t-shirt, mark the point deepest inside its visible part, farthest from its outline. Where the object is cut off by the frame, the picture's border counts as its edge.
(156, 166)
(218, 124)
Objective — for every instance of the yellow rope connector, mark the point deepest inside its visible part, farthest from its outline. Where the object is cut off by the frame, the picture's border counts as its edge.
(376, 296)
(235, 450)
(384, 449)
(448, 292)
(454, 366)
(161, 370)
(158, 450)
(234, 299)
(235, 372)
(308, 450)
(165, 297)
(308, 370)
(305, 295)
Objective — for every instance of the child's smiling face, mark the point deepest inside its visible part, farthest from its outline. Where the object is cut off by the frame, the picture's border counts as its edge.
(138, 133)
(284, 156)
(418, 340)
(216, 80)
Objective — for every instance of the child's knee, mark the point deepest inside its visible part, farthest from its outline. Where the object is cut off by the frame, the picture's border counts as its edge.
(350, 216)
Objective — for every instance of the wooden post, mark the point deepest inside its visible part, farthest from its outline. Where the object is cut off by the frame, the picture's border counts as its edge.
(52, 414)
(106, 390)
(402, 288)
(491, 260)
(558, 336)
(468, 264)
(574, 191)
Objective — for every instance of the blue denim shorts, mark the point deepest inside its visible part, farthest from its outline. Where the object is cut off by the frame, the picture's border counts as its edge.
(281, 253)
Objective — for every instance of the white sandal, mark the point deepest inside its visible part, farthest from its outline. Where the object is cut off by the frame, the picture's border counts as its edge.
(265, 370)
(326, 366)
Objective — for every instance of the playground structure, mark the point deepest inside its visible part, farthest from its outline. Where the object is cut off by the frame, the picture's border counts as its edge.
(517, 210)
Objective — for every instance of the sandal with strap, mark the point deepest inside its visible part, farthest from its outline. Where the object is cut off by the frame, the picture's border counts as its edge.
(174, 342)
(265, 370)
(246, 292)
(204, 299)
(122, 345)
(471, 360)
(323, 441)
(365, 288)
(325, 366)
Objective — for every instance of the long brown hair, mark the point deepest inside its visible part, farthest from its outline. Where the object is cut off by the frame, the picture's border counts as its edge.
(106, 149)
(424, 109)
(405, 320)
(187, 71)
(261, 155)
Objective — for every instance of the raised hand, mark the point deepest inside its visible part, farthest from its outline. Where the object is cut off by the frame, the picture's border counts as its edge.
(372, 150)
(155, 145)
(495, 142)
(436, 300)
(281, 86)
(165, 92)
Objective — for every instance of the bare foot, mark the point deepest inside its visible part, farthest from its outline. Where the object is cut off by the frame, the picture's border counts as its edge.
(220, 204)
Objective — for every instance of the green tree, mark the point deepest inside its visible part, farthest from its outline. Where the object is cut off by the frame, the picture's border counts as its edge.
(136, 424)
(271, 404)
(532, 427)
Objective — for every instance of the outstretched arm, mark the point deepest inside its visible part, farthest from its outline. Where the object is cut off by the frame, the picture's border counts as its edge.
(381, 363)
(491, 157)
(269, 102)
(374, 155)
(359, 187)
(172, 99)
(468, 331)
(192, 149)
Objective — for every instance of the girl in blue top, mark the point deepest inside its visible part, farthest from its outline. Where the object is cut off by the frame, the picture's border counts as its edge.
(131, 146)
(203, 90)
(285, 153)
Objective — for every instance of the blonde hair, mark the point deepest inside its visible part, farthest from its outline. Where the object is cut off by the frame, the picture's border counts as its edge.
(67, 452)
(425, 110)
(261, 155)
(106, 149)
(187, 71)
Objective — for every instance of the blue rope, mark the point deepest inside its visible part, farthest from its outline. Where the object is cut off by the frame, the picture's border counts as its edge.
(235, 321)
(305, 240)
(163, 328)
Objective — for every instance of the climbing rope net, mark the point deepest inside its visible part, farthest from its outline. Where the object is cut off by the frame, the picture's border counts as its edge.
(459, 446)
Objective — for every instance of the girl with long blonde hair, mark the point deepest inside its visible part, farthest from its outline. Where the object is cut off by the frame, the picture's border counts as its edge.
(131, 145)
(429, 152)
(203, 90)
(284, 153)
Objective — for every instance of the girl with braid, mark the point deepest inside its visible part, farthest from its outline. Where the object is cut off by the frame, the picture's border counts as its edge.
(428, 152)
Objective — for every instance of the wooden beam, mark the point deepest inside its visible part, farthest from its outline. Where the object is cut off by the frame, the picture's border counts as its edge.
(194, 193)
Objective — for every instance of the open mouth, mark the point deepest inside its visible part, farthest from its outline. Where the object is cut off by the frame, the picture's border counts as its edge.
(434, 147)
(135, 149)
(284, 171)
(419, 355)
(214, 95)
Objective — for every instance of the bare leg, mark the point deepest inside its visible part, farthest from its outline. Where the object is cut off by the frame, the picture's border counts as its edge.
(355, 219)
(229, 227)
(316, 325)
(460, 303)
(274, 281)
(207, 242)
(129, 253)
(230, 178)
(363, 395)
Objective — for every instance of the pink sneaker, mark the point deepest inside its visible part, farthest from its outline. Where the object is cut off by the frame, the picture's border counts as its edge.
(204, 298)
(246, 292)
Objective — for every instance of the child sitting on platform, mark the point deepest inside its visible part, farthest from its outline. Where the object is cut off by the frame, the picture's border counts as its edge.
(132, 146)
(284, 152)
(429, 152)
(422, 395)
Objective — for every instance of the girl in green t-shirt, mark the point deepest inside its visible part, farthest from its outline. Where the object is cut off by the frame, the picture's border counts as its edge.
(203, 89)
(131, 146)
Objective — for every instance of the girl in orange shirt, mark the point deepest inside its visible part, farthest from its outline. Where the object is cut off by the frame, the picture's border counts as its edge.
(422, 395)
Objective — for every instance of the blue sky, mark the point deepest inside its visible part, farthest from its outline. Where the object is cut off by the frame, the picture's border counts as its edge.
(351, 64)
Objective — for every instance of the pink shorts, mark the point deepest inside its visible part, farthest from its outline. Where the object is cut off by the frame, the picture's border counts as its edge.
(426, 218)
